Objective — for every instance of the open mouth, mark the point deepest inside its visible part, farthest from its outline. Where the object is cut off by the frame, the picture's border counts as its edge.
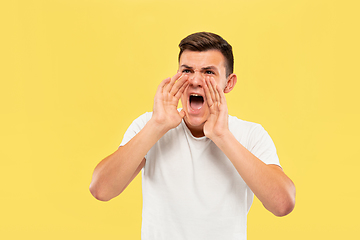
(196, 101)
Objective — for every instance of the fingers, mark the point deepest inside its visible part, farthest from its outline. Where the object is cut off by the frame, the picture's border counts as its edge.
(162, 85)
(169, 86)
(176, 85)
(215, 91)
(222, 97)
(209, 93)
(212, 92)
(180, 85)
(182, 88)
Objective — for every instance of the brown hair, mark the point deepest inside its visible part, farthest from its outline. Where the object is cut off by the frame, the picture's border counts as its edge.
(203, 41)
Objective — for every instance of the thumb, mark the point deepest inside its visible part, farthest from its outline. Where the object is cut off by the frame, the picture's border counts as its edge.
(182, 113)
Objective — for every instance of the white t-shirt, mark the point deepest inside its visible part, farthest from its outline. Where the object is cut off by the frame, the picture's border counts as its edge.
(191, 190)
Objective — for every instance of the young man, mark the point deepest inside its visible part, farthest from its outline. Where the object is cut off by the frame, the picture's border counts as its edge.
(200, 166)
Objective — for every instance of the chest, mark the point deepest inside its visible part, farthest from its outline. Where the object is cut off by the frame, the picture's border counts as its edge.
(191, 166)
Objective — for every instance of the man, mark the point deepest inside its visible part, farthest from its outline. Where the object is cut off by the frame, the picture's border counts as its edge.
(200, 165)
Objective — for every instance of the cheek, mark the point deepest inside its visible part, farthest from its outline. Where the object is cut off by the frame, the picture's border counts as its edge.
(222, 84)
(183, 101)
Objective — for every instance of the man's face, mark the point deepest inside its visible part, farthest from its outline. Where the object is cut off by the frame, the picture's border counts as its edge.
(198, 65)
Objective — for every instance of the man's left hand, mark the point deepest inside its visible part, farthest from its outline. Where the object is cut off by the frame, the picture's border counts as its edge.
(216, 125)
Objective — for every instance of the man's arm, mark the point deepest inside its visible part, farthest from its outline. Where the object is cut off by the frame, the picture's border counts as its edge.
(268, 182)
(114, 173)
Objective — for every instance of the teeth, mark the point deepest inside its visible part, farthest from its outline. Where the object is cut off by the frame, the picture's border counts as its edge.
(195, 95)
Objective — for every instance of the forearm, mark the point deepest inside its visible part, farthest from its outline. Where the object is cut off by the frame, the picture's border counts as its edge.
(113, 174)
(268, 182)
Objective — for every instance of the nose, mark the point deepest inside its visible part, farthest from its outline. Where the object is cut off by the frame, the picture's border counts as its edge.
(196, 80)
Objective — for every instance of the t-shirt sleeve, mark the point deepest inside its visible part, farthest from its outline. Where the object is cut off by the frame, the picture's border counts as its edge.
(135, 127)
(262, 146)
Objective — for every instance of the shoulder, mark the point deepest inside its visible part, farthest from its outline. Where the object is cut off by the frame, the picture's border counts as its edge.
(254, 138)
(237, 125)
(247, 133)
(142, 119)
(135, 127)
(139, 122)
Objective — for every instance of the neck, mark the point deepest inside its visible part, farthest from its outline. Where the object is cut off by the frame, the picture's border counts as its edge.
(196, 131)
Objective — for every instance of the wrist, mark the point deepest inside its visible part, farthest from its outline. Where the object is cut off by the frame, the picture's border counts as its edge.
(222, 138)
(157, 127)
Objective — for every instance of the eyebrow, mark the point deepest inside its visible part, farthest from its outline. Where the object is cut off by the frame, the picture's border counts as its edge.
(185, 66)
(204, 68)
(209, 68)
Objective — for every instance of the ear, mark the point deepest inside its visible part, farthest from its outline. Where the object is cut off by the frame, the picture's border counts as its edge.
(231, 81)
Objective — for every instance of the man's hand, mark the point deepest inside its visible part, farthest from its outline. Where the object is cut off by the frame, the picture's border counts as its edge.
(217, 123)
(167, 96)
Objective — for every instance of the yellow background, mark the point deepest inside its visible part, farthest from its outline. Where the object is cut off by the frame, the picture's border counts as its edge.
(75, 73)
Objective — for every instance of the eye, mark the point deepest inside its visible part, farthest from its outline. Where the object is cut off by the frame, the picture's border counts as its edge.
(209, 72)
(186, 71)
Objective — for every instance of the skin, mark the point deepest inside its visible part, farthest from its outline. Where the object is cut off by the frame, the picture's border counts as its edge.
(201, 73)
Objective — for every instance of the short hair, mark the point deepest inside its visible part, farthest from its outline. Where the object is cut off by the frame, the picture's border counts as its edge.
(203, 41)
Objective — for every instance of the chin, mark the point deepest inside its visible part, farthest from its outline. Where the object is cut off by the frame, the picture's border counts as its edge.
(194, 121)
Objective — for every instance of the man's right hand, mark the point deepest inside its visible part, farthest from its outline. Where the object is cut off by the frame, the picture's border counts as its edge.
(114, 173)
(165, 113)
